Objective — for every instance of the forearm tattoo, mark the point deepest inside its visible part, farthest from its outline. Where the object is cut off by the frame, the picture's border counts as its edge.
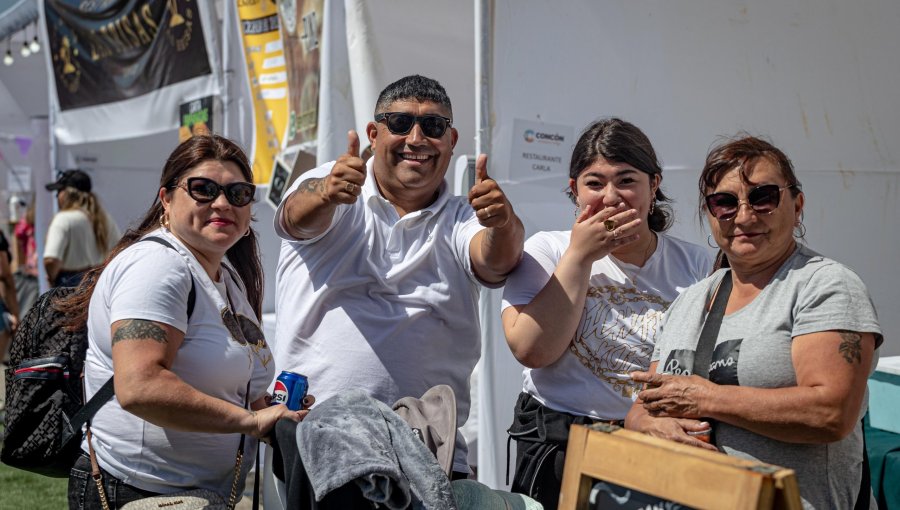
(137, 329)
(312, 186)
(851, 346)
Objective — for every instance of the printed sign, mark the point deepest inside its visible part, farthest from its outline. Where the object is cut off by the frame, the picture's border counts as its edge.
(266, 71)
(278, 184)
(196, 118)
(540, 149)
(102, 52)
(301, 33)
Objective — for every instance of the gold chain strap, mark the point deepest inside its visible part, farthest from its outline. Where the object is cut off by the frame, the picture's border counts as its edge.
(234, 483)
(98, 479)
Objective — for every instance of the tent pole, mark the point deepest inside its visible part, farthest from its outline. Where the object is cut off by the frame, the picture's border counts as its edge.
(483, 24)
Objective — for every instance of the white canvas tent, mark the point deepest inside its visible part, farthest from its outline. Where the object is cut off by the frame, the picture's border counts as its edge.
(815, 76)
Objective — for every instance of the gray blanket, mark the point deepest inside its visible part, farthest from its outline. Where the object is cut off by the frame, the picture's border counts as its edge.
(354, 438)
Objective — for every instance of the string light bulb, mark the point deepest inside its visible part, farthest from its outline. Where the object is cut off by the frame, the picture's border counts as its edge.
(35, 46)
(25, 51)
(8, 58)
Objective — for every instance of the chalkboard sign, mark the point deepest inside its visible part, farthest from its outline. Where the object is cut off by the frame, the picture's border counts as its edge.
(612, 468)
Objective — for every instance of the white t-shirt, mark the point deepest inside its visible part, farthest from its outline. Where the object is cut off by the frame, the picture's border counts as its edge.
(149, 281)
(381, 303)
(70, 238)
(618, 327)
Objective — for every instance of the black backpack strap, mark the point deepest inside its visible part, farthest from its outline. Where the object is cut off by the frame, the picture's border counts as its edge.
(107, 391)
(192, 295)
(87, 411)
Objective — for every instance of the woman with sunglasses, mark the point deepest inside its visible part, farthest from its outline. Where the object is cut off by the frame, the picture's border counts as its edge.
(178, 328)
(582, 309)
(786, 379)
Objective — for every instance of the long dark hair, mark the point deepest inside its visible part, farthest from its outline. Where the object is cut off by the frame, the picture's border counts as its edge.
(619, 141)
(244, 255)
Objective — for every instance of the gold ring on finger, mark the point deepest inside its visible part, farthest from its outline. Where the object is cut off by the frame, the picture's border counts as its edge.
(610, 225)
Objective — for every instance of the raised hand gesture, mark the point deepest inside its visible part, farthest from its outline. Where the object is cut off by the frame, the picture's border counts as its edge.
(347, 176)
(491, 206)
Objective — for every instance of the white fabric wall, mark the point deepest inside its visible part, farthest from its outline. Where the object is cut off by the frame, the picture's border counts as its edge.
(817, 77)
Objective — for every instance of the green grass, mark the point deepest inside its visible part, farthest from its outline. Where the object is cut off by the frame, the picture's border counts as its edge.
(21, 490)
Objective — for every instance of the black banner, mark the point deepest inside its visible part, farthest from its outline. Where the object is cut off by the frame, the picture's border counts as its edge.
(109, 50)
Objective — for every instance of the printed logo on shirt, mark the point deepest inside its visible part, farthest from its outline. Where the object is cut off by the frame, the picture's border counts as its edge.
(617, 333)
(680, 362)
(723, 369)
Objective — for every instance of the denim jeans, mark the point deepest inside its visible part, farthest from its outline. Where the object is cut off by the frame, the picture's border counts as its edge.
(83, 493)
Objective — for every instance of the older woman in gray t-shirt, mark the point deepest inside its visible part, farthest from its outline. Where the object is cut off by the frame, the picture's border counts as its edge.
(787, 375)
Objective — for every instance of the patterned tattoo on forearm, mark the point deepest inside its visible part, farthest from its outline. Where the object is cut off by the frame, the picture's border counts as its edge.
(312, 186)
(137, 329)
(851, 346)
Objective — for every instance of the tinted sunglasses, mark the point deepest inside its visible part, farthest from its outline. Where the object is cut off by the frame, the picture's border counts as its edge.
(398, 123)
(205, 190)
(762, 199)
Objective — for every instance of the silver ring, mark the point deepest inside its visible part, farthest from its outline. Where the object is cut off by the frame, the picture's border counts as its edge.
(350, 187)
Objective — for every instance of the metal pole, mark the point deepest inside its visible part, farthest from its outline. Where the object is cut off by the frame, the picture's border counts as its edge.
(483, 51)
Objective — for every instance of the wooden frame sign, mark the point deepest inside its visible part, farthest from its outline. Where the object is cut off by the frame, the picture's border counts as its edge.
(610, 467)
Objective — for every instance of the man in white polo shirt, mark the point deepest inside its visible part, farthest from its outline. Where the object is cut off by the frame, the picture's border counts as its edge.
(377, 281)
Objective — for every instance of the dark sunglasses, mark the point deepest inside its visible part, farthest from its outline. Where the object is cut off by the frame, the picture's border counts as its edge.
(205, 190)
(762, 199)
(398, 123)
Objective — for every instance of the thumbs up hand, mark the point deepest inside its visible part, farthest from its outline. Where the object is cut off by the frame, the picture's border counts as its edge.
(348, 174)
(487, 199)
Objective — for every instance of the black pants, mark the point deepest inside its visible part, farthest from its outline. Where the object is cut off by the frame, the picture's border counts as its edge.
(542, 436)
(83, 494)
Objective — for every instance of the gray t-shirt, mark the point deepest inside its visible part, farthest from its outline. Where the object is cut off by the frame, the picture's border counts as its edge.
(808, 294)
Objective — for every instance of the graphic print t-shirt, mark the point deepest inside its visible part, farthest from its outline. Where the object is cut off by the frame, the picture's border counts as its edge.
(808, 294)
(619, 325)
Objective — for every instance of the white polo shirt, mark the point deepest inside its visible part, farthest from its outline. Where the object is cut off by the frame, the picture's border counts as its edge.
(381, 303)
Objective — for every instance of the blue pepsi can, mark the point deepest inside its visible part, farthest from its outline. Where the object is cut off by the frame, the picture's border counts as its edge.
(290, 388)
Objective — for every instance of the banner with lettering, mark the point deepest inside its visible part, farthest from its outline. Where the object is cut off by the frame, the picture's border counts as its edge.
(267, 76)
(301, 34)
(121, 67)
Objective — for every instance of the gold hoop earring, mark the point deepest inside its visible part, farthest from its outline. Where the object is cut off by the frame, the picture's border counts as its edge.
(247, 233)
(652, 206)
(164, 220)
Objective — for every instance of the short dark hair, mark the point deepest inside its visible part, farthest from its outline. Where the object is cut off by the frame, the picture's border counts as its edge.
(742, 151)
(619, 141)
(414, 87)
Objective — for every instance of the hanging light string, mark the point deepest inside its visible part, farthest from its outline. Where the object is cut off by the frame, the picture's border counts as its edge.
(35, 45)
(8, 58)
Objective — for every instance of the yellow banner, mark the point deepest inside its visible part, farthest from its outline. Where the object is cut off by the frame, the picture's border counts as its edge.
(264, 54)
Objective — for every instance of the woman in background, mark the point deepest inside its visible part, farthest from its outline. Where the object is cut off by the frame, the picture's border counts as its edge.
(80, 234)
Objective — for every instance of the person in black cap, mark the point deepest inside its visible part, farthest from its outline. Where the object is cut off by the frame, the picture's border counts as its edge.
(81, 233)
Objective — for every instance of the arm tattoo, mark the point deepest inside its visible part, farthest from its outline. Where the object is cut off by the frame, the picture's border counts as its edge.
(312, 186)
(137, 329)
(851, 346)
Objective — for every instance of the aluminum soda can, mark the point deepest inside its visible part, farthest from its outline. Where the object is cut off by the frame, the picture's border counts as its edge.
(290, 388)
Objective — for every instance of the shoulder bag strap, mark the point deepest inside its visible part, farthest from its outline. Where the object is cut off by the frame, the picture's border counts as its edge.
(707, 342)
(240, 455)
